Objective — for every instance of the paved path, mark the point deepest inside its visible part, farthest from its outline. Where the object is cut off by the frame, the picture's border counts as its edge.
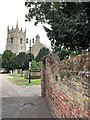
(11, 90)
(22, 102)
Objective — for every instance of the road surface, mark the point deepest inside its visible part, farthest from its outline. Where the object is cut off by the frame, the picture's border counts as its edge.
(21, 101)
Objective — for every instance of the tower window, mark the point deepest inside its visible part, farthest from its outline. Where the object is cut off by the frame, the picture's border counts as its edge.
(12, 40)
(21, 41)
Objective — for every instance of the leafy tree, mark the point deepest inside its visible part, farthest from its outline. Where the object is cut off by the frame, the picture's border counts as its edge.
(69, 22)
(43, 51)
(8, 60)
(20, 60)
(63, 53)
(35, 65)
(87, 8)
(29, 57)
(23, 60)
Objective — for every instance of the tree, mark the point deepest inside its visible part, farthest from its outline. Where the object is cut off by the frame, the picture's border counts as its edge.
(8, 60)
(35, 65)
(68, 21)
(43, 51)
(29, 57)
(63, 53)
(23, 60)
(87, 7)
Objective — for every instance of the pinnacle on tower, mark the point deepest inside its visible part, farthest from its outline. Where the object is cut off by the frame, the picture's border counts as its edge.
(25, 30)
(8, 28)
(12, 28)
(21, 28)
(17, 25)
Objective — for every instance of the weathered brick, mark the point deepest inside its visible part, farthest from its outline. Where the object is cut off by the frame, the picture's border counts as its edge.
(66, 94)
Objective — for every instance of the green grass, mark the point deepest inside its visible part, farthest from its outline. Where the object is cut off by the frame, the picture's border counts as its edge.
(21, 81)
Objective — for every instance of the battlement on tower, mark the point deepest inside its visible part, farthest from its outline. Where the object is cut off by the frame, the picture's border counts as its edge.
(13, 30)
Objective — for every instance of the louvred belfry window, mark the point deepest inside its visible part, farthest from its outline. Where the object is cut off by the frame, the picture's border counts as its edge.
(12, 40)
(21, 41)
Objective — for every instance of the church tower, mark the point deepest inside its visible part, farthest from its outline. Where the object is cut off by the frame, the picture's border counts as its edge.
(16, 40)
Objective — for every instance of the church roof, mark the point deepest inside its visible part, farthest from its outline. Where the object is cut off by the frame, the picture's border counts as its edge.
(37, 46)
(44, 45)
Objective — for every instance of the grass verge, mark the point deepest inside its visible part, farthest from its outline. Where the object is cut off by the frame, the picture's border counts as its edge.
(21, 81)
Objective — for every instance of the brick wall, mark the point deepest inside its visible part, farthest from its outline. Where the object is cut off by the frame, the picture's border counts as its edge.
(66, 85)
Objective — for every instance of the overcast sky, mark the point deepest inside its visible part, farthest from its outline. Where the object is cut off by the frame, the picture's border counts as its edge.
(10, 12)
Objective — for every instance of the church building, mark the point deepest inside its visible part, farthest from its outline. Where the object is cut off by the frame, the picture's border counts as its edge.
(37, 46)
(16, 40)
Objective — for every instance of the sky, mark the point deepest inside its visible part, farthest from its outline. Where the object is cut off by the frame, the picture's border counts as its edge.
(12, 11)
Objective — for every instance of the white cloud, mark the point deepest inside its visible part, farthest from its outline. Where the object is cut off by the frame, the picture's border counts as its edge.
(10, 11)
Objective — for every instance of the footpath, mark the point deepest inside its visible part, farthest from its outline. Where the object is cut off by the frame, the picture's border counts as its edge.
(22, 102)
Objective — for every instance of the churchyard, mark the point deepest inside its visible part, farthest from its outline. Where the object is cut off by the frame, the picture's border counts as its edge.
(20, 80)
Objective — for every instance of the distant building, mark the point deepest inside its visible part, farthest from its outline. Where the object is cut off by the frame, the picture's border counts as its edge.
(37, 46)
(16, 40)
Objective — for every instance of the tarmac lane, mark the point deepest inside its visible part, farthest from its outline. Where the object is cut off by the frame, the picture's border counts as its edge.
(25, 107)
(22, 102)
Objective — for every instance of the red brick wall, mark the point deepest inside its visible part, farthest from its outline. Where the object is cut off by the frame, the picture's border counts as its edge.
(65, 84)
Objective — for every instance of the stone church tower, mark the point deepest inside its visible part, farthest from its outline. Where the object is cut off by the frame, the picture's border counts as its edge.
(16, 40)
